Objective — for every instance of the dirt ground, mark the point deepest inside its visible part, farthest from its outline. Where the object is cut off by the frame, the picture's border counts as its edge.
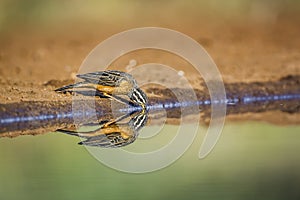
(35, 62)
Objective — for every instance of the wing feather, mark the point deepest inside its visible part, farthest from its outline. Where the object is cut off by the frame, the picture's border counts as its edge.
(112, 140)
(107, 78)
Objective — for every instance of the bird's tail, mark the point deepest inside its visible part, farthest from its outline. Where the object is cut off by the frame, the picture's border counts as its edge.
(70, 87)
(69, 132)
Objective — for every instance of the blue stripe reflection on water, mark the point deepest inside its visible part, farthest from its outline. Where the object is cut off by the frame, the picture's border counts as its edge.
(155, 107)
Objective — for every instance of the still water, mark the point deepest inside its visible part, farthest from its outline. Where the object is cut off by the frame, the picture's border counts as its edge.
(252, 160)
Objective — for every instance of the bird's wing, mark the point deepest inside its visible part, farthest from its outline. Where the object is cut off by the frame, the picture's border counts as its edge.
(112, 140)
(106, 78)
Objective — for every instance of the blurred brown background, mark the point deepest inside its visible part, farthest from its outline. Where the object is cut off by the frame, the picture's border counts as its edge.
(43, 40)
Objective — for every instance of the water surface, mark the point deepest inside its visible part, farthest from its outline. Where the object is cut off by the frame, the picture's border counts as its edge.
(251, 160)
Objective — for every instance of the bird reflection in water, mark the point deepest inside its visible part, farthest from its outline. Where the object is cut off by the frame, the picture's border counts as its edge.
(115, 85)
(117, 133)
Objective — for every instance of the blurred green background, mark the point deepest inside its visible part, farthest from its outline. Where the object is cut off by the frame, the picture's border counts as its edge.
(250, 161)
(37, 14)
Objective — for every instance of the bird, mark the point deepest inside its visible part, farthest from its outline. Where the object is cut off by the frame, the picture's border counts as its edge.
(112, 84)
(113, 134)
